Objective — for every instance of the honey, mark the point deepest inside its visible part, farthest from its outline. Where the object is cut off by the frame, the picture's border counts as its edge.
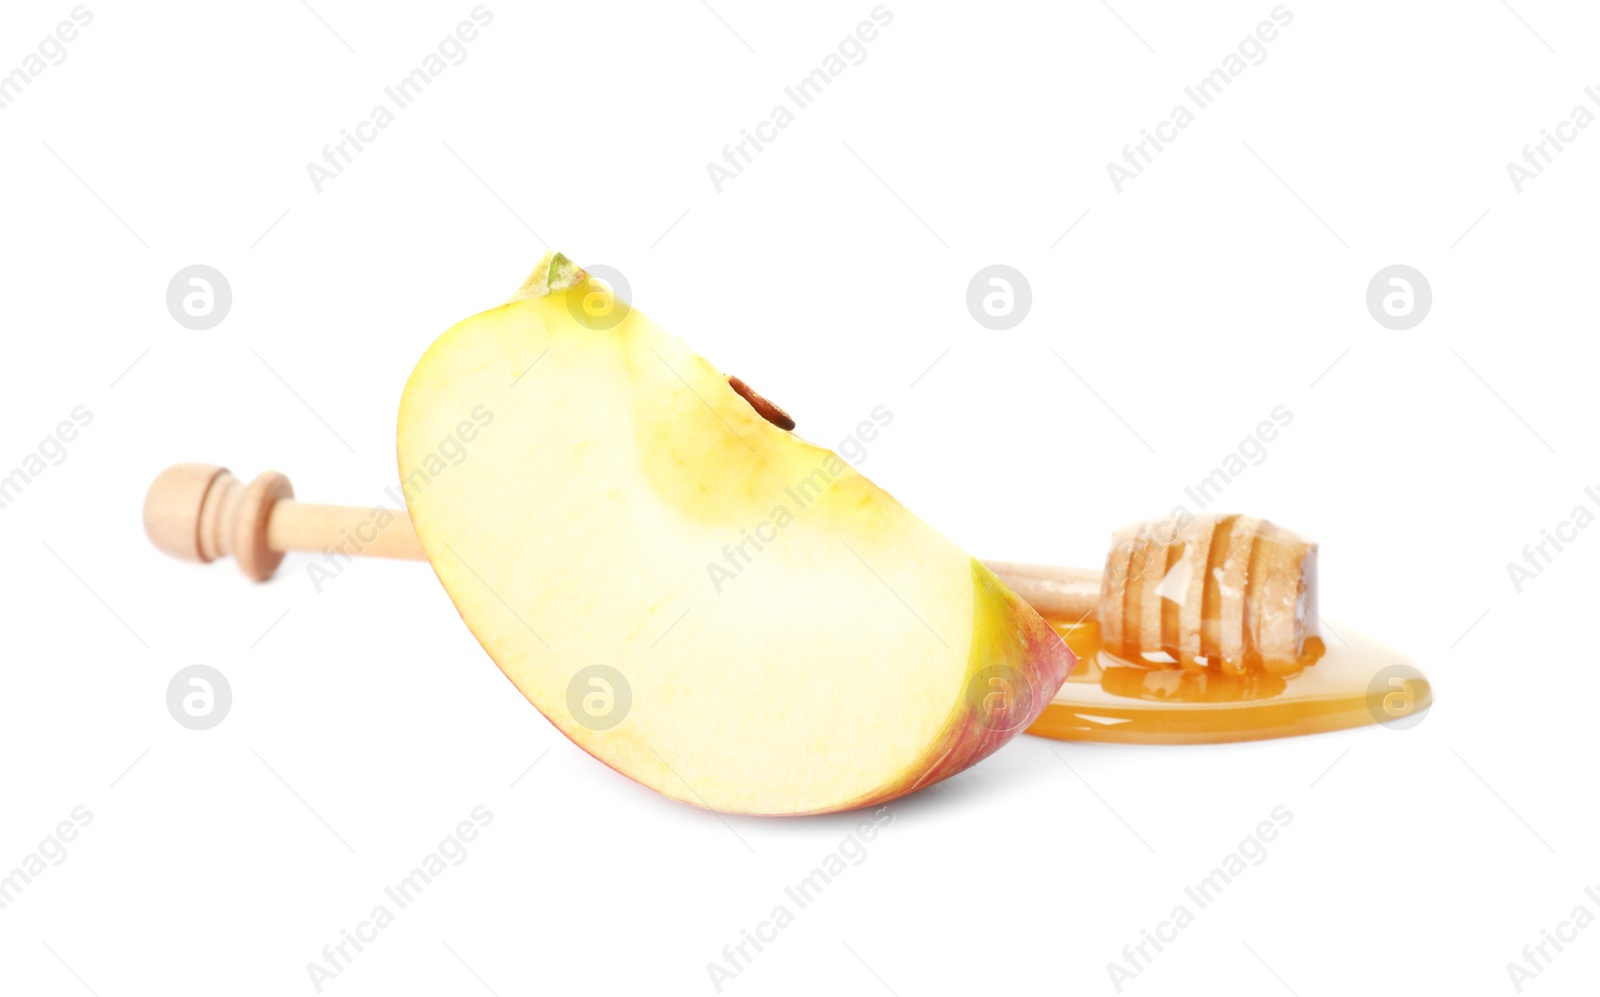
(1345, 681)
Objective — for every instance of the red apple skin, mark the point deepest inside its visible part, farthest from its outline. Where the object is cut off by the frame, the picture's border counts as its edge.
(1046, 661)
(1021, 635)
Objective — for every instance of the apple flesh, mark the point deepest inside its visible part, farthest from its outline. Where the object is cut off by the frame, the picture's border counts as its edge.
(703, 601)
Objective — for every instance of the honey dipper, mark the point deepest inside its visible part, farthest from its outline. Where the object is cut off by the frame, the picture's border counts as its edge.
(1231, 592)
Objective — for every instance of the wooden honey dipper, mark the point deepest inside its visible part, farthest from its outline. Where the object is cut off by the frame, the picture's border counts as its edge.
(1232, 593)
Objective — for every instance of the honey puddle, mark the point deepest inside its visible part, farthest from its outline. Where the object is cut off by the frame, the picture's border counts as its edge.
(1347, 681)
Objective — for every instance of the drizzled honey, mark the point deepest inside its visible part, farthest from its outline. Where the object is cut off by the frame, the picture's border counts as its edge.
(1345, 681)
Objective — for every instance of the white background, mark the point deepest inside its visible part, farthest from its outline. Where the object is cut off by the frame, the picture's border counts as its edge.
(1228, 279)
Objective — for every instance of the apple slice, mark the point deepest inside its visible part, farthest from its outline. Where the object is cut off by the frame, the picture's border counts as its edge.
(703, 601)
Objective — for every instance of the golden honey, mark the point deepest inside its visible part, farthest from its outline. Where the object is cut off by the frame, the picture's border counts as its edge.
(1345, 680)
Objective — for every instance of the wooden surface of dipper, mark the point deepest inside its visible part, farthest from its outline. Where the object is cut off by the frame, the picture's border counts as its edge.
(200, 512)
(1229, 592)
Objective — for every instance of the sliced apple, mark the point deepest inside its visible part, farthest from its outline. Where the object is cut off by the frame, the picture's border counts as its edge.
(703, 601)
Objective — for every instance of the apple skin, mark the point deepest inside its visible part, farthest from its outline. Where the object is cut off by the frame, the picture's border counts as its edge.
(1019, 634)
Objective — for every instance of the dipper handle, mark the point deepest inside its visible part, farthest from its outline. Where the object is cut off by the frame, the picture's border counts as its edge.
(200, 512)
(1231, 593)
